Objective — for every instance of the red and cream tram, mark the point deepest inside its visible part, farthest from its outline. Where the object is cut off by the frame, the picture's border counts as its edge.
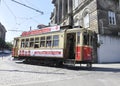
(55, 46)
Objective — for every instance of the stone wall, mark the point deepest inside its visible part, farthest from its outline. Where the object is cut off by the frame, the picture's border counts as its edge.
(103, 7)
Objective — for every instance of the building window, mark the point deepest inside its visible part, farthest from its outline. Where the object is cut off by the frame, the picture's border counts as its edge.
(112, 18)
(86, 20)
(76, 21)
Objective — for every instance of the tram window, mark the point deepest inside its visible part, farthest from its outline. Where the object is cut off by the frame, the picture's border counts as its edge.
(15, 43)
(36, 46)
(31, 42)
(90, 40)
(55, 40)
(48, 41)
(27, 43)
(78, 37)
(42, 42)
(36, 40)
(85, 39)
(22, 43)
(36, 43)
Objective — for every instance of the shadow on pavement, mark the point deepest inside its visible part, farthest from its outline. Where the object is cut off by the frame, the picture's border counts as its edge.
(31, 72)
(102, 69)
(97, 69)
(81, 68)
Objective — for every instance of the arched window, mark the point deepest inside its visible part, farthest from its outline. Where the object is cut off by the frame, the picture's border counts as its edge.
(76, 21)
(86, 20)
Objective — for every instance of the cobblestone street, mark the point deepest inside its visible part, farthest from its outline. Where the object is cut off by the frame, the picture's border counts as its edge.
(14, 73)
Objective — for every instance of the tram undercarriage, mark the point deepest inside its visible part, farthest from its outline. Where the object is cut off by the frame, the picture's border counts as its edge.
(56, 62)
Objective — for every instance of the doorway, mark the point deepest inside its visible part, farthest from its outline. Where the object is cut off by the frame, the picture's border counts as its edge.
(70, 45)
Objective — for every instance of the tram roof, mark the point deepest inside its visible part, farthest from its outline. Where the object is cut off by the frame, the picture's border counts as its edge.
(58, 31)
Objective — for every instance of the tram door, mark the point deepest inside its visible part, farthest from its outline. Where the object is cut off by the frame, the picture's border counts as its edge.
(15, 48)
(70, 45)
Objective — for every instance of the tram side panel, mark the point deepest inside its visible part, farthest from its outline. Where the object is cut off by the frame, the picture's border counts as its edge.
(83, 53)
(46, 52)
(84, 48)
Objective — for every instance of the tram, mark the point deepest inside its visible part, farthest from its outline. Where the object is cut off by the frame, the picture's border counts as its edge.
(53, 45)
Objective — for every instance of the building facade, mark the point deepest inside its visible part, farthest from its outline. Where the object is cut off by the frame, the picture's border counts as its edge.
(2, 32)
(101, 16)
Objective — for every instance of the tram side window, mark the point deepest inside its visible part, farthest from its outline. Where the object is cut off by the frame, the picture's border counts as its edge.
(42, 42)
(22, 43)
(85, 39)
(91, 40)
(15, 43)
(36, 42)
(48, 41)
(31, 42)
(78, 37)
(27, 43)
(55, 40)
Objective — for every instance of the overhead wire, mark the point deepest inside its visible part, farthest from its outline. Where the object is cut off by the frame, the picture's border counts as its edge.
(28, 7)
(31, 4)
(23, 18)
(45, 13)
(10, 10)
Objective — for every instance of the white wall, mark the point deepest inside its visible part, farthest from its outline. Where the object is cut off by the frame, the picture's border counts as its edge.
(109, 51)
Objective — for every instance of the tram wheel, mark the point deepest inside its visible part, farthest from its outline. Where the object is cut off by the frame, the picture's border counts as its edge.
(89, 65)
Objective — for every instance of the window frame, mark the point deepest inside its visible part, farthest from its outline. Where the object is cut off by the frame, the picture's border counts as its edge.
(22, 43)
(112, 18)
(36, 44)
(26, 42)
(86, 20)
(55, 41)
(42, 41)
(32, 42)
(48, 41)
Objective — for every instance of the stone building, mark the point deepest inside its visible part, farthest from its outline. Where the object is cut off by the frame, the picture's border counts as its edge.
(2, 31)
(101, 16)
(62, 13)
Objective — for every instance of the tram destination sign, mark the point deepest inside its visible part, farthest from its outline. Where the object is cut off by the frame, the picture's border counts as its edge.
(40, 31)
